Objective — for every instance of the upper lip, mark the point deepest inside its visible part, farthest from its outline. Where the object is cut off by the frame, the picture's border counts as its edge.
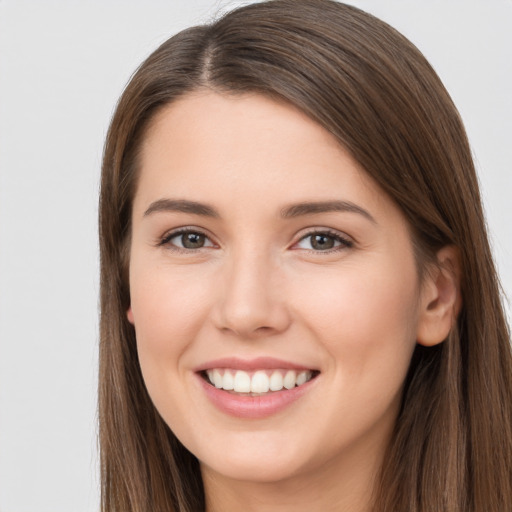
(258, 363)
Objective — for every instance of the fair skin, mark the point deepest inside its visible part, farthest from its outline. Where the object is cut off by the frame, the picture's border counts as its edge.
(332, 291)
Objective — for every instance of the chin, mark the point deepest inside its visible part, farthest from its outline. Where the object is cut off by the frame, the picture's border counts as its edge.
(257, 461)
(256, 471)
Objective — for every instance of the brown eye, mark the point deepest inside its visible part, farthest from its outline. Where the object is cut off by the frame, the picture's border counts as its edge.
(322, 242)
(192, 240)
(186, 239)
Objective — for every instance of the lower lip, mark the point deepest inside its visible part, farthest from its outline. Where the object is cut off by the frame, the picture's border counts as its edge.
(254, 407)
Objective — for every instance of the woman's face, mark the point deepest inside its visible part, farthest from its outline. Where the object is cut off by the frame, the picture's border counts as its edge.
(264, 259)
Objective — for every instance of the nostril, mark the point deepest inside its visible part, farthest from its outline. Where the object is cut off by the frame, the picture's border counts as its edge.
(264, 329)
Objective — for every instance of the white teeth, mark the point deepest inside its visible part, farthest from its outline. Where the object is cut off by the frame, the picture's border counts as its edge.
(217, 379)
(276, 381)
(242, 382)
(302, 377)
(228, 382)
(289, 379)
(261, 381)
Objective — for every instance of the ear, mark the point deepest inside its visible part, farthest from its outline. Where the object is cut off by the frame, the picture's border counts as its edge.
(441, 299)
(129, 315)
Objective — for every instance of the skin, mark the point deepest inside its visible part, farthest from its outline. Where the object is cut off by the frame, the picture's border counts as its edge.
(259, 288)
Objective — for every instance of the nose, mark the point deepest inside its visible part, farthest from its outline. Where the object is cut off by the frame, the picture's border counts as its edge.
(252, 299)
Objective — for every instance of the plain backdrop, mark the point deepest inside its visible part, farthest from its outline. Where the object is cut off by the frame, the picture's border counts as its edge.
(63, 65)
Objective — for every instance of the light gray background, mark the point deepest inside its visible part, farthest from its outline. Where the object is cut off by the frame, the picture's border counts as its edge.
(63, 65)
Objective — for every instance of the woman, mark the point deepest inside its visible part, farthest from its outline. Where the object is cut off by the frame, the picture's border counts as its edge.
(299, 305)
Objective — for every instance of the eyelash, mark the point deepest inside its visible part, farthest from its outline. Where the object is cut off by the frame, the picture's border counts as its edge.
(166, 239)
(344, 243)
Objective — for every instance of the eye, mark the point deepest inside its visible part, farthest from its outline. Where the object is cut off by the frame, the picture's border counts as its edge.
(187, 239)
(323, 241)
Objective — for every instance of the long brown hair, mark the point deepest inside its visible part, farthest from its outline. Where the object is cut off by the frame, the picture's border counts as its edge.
(370, 87)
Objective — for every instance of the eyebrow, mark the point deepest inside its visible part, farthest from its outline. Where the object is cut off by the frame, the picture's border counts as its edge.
(311, 208)
(292, 211)
(181, 205)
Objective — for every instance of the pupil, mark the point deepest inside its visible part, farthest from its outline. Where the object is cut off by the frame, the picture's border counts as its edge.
(322, 242)
(192, 240)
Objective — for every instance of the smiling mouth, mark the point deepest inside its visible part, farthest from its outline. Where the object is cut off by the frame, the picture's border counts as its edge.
(257, 383)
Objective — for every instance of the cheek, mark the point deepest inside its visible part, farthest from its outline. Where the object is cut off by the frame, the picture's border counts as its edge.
(366, 325)
(169, 311)
(169, 308)
(363, 316)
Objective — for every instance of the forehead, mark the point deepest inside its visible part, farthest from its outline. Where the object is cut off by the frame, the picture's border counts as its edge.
(232, 127)
(239, 149)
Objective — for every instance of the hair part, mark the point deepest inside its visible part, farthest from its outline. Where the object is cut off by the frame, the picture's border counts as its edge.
(374, 91)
